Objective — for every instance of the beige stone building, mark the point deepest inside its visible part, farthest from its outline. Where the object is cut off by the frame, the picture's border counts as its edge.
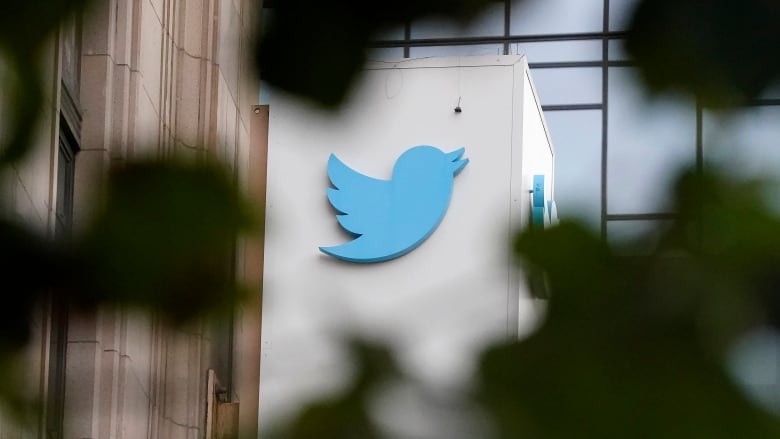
(132, 79)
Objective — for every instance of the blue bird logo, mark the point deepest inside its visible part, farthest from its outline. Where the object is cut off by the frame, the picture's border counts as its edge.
(390, 218)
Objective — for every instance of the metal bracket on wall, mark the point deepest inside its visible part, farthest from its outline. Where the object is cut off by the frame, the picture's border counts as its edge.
(221, 415)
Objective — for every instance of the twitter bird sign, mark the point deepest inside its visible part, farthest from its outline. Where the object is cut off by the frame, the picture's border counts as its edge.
(390, 218)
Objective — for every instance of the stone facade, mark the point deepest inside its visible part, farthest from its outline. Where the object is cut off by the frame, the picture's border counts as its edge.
(153, 78)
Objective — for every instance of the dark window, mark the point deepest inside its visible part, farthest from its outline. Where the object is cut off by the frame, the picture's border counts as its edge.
(65, 174)
(66, 167)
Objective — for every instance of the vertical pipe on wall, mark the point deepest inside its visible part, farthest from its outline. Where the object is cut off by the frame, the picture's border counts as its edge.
(249, 316)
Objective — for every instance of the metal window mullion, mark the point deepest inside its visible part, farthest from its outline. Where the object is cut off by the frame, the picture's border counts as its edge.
(466, 41)
(407, 37)
(507, 24)
(699, 169)
(642, 216)
(572, 107)
(604, 116)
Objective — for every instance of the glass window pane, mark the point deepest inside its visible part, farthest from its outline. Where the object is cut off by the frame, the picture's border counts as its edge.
(264, 93)
(635, 237)
(529, 17)
(620, 13)
(576, 137)
(266, 19)
(395, 33)
(558, 51)
(754, 361)
(771, 92)
(648, 143)
(386, 54)
(617, 50)
(474, 49)
(561, 86)
(71, 57)
(489, 23)
(746, 144)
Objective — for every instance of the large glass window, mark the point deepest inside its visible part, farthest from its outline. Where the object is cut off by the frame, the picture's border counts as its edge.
(635, 237)
(386, 54)
(646, 142)
(576, 136)
(620, 12)
(65, 179)
(58, 311)
(746, 144)
(771, 92)
(617, 51)
(467, 50)
(563, 86)
(394, 33)
(489, 23)
(558, 51)
(542, 17)
(649, 142)
(71, 57)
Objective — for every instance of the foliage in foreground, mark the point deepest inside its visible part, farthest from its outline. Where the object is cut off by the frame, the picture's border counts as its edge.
(634, 346)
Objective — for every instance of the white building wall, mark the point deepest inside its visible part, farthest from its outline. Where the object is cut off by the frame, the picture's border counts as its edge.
(439, 304)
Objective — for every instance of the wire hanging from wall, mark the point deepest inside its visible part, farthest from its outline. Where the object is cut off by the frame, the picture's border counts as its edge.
(458, 109)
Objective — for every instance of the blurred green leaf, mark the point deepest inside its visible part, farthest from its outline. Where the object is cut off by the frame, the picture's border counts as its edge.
(729, 227)
(562, 384)
(635, 346)
(22, 84)
(25, 27)
(632, 346)
(315, 49)
(722, 51)
(346, 414)
(341, 417)
(30, 268)
(165, 238)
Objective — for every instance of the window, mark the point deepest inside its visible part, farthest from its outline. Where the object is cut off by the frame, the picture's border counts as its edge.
(70, 125)
(58, 337)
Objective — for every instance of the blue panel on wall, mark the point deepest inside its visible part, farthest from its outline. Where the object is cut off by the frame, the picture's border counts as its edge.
(390, 218)
(543, 213)
(537, 217)
(538, 191)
